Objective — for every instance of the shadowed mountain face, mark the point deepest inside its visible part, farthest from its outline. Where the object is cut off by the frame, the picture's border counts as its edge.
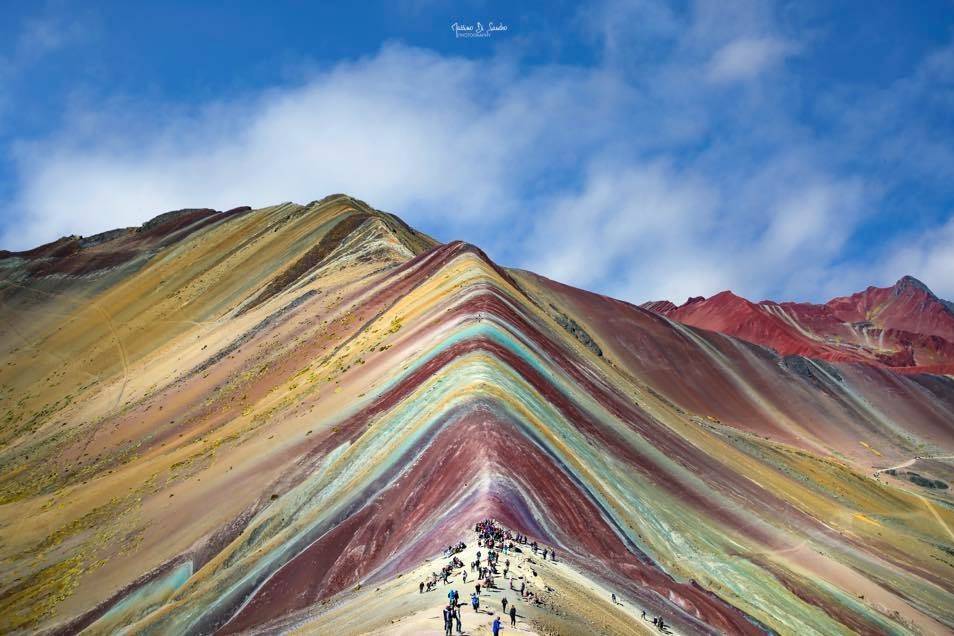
(270, 420)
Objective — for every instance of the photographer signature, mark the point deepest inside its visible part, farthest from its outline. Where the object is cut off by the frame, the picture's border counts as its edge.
(477, 29)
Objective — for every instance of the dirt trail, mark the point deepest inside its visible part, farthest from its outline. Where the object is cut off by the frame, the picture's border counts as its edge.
(925, 500)
(109, 323)
(572, 603)
(911, 462)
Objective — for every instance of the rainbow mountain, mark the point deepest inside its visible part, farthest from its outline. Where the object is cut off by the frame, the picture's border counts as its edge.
(273, 420)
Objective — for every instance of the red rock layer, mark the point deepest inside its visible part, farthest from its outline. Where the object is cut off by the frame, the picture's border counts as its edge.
(904, 327)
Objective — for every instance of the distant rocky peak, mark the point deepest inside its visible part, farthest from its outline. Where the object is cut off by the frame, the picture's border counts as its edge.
(910, 283)
(907, 284)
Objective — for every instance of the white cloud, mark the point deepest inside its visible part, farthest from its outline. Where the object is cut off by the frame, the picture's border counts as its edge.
(653, 231)
(37, 40)
(435, 138)
(928, 256)
(746, 58)
(623, 218)
(642, 184)
(812, 219)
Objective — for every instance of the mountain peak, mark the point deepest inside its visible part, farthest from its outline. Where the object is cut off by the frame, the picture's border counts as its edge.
(282, 418)
(908, 282)
(904, 326)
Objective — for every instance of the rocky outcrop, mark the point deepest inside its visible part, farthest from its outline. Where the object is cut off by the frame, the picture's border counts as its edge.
(904, 327)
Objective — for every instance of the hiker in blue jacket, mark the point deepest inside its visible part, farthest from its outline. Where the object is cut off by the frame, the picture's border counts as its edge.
(496, 627)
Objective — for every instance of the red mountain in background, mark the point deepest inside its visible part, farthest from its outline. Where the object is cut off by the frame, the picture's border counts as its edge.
(905, 326)
(277, 420)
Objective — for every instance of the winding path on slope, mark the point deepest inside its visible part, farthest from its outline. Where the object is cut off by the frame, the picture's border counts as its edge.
(911, 462)
(29, 344)
(925, 500)
(112, 328)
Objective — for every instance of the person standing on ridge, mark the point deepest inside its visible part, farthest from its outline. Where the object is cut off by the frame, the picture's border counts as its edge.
(496, 627)
(448, 620)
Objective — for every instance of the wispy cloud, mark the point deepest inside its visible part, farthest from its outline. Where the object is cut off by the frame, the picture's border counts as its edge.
(746, 58)
(673, 176)
(38, 39)
(442, 140)
(930, 254)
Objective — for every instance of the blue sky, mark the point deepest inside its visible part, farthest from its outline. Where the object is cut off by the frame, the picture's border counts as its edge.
(642, 149)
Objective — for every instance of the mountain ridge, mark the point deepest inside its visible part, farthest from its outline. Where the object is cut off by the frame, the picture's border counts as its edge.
(905, 327)
(172, 463)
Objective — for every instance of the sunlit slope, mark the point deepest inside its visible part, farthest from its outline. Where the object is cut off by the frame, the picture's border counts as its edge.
(62, 334)
(319, 399)
(904, 327)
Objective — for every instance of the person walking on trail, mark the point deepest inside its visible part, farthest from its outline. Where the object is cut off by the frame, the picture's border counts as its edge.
(448, 620)
(460, 629)
(465, 576)
(496, 627)
(421, 588)
(513, 615)
(477, 587)
(475, 601)
(614, 598)
(504, 603)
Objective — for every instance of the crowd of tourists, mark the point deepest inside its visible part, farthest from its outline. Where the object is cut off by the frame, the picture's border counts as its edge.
(496, 544)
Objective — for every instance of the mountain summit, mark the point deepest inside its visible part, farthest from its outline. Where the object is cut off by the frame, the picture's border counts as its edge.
(305, 417)
(905, 326)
